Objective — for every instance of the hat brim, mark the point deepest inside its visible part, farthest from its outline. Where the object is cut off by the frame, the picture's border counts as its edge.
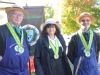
(12, 9)
(79, 17)
(43, 25)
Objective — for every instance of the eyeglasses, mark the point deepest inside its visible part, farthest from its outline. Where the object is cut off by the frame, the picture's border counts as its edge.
(16, 14)
(85, 20)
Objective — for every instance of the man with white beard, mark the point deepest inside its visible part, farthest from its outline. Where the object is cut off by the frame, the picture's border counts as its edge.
(14, 48)
(84, 47)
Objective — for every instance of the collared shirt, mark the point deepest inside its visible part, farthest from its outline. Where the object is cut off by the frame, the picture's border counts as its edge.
(86, 35)
(14, 25)
(17, 29)
(54, 42)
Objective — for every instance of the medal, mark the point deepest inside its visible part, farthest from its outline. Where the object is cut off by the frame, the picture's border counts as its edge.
(19, 49)
(56, 56)
(55, 49)
(19, 42)
(87, 54)
(86, 46)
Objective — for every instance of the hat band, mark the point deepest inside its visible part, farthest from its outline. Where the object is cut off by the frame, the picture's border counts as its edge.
(17, 7)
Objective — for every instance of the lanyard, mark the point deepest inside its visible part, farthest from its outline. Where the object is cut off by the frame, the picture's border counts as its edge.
(15, 36)
(87, 46)
(55, 49)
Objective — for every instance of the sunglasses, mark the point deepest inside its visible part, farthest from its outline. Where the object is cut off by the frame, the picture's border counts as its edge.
(85, 20)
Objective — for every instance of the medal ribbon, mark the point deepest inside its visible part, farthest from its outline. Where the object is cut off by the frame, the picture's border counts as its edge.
(87, 46)
(55, 49)
(15, 36)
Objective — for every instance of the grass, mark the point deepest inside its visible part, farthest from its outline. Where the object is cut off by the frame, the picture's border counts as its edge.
(32, 74)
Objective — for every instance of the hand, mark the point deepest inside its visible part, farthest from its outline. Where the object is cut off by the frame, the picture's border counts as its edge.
(0, 58)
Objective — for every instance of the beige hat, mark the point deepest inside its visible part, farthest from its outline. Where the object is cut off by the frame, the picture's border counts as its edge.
(83, 15)
(50, 21)
(16, 7)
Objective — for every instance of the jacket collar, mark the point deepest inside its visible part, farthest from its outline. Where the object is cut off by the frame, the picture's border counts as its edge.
(46, 41)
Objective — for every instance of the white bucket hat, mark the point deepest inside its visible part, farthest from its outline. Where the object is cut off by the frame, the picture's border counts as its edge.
(50, 21)
(16, 7)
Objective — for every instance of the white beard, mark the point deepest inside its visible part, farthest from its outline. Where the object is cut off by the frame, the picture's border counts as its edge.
(17, 22)
(85, 27)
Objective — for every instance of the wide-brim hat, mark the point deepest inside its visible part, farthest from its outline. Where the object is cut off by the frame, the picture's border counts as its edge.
(16, 7)
(84, 14)
(50, 21)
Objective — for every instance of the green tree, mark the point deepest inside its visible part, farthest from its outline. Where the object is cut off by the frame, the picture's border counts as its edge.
(49, 11)
(72, 8)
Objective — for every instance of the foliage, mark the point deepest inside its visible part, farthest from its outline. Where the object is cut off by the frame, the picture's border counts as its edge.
(49, 11)
(72, 8)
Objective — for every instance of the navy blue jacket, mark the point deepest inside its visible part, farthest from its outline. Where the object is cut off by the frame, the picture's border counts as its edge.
(42, 56)
(73, 46)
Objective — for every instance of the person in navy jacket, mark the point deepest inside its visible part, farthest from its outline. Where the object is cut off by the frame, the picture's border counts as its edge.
(84, 47)
(50, 52)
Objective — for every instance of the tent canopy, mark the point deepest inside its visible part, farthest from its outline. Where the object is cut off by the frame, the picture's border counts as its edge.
(4, 5)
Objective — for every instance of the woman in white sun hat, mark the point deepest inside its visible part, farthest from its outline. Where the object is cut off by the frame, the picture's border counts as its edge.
(84, 47)
(50, 52)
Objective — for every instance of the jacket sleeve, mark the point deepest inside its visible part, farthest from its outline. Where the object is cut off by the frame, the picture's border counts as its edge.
(4, 32)
(72, 49)
(37, 58)
(97, 44)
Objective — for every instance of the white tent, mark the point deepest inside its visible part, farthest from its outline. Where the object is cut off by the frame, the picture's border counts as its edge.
(3, 16)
